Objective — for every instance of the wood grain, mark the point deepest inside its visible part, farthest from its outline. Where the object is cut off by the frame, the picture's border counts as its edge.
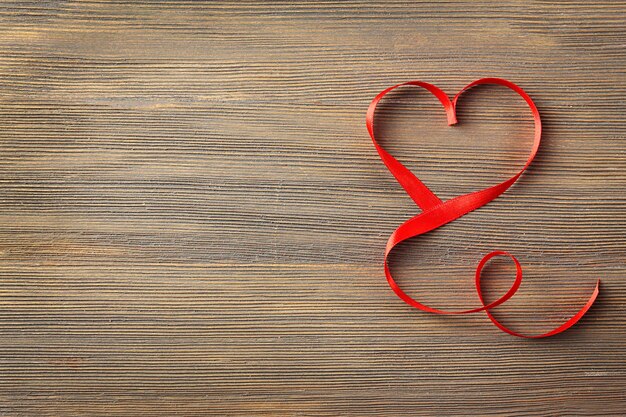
(192, 216)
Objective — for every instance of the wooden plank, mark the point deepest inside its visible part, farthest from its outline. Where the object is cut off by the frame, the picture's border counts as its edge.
(192, 216)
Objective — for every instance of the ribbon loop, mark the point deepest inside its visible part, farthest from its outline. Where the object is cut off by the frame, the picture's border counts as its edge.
(436, 213)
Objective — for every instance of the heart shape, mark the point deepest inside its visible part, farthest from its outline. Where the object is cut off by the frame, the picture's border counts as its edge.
(436, 213)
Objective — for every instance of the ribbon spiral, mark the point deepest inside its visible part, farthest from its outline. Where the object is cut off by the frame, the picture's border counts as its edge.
(436, 213)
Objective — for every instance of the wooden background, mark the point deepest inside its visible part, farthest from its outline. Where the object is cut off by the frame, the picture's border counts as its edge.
(193, 216)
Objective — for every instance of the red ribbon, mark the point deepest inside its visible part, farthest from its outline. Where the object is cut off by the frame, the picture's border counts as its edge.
(436, 213)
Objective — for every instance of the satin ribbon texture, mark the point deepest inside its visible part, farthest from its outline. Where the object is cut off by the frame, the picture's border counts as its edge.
(436, 213)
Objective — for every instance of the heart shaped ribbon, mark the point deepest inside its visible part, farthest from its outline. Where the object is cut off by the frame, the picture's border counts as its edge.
(436, 213)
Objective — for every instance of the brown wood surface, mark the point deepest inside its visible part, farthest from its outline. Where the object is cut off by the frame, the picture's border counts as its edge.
(192, 216)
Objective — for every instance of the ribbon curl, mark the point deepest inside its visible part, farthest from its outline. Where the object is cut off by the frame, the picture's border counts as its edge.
(436, 213)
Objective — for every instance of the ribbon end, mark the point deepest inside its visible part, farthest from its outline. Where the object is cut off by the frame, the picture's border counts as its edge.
(452, 119)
